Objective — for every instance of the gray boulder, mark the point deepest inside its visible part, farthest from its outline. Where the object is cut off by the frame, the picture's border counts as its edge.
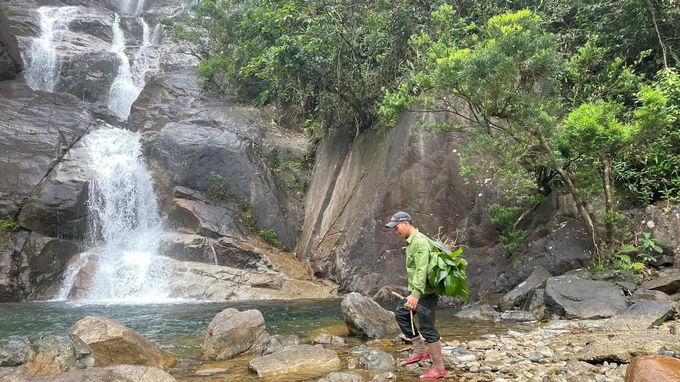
(82, 281)
(576, 298)
(10, 55)
(37, 129)
(376, 359)
(536, 280)
(342, 376)
(117, 373)
(479, 312)
(278, 342)
(668, 282)
(232, 333)
(640, 316)
(58, 205)
(113, 343)
(623, 347)
(15, 352)
(313, 361)
(646, 294)
(364, 317)
(662, 225)
(89, 75)
(58, 354)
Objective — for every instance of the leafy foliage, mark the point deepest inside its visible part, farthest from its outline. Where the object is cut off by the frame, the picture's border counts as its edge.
(269, 236)
(9, 225)
(325, 60)
(446, 271)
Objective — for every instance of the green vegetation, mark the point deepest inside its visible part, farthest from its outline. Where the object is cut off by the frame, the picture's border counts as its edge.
(578, 95)
(9, 225)
(270, 237)
(217, 187)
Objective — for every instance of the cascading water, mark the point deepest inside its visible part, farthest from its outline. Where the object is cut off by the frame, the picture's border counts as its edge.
(131, 78)
(42, 63)
(132, 6)
(125, 223)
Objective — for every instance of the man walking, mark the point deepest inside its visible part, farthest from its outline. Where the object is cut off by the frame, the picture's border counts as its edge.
(417, 256)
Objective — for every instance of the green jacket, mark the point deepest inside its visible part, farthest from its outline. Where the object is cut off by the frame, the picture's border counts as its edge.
(417, 257)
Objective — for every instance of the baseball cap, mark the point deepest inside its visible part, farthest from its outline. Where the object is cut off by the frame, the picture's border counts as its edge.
(398, 217)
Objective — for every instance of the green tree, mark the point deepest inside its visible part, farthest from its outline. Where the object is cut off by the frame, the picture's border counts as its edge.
(594, 134)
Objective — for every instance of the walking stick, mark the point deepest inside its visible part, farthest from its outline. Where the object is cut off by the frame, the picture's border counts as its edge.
(397, 295)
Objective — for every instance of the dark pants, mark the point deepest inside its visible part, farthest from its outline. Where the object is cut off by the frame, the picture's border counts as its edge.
(425, 323)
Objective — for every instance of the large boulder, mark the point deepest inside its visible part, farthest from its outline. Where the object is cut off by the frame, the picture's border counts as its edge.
(365, 318)
(536, 280)
(232, 333)
(10, 55)
(663, 225)
(668, 282)
(653, 368)
(58, 354)
(58, 206)
(113, 343)
(640, 316)
(117, 373)
(312, 361)
(577, 298)
(36, 130)
(624, 346)
(16, 351)
(646, 294)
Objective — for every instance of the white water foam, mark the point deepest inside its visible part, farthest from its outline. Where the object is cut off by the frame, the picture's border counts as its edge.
(130, 80)
(125, 224)
(42, 63)
(132, 6)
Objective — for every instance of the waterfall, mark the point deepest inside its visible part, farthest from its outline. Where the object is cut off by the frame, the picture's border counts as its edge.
(131, 78)
(125, 223)
(42, 63)
(132, 6)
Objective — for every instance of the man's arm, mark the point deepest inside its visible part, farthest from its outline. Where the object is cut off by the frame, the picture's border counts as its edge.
(421, 255)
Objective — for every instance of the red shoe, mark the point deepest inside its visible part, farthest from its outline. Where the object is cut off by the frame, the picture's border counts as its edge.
(433, 374)
(417, 357)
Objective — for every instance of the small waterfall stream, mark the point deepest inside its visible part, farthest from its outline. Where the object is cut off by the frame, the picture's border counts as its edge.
(131, 76)
(125, 223)
(42, 63)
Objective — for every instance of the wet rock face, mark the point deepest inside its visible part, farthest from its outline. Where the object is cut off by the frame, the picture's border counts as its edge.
(231, 154)
(58, 206)
(10, 56)
(36, 131)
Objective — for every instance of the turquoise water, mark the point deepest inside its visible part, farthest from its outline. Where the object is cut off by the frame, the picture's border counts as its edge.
(174, 327)
(180, 328)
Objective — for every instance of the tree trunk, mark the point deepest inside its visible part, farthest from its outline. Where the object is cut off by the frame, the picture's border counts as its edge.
(608, 201)
(582, 207)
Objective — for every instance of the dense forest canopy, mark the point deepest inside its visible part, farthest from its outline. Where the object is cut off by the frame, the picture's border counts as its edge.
(582, 95)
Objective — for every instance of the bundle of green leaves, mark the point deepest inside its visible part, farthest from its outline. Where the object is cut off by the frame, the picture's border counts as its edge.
(446, 271)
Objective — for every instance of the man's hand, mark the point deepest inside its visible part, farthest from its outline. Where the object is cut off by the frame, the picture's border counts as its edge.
(411, 303)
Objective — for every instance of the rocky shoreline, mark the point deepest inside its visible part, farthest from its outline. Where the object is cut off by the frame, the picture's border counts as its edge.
(238, 347)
